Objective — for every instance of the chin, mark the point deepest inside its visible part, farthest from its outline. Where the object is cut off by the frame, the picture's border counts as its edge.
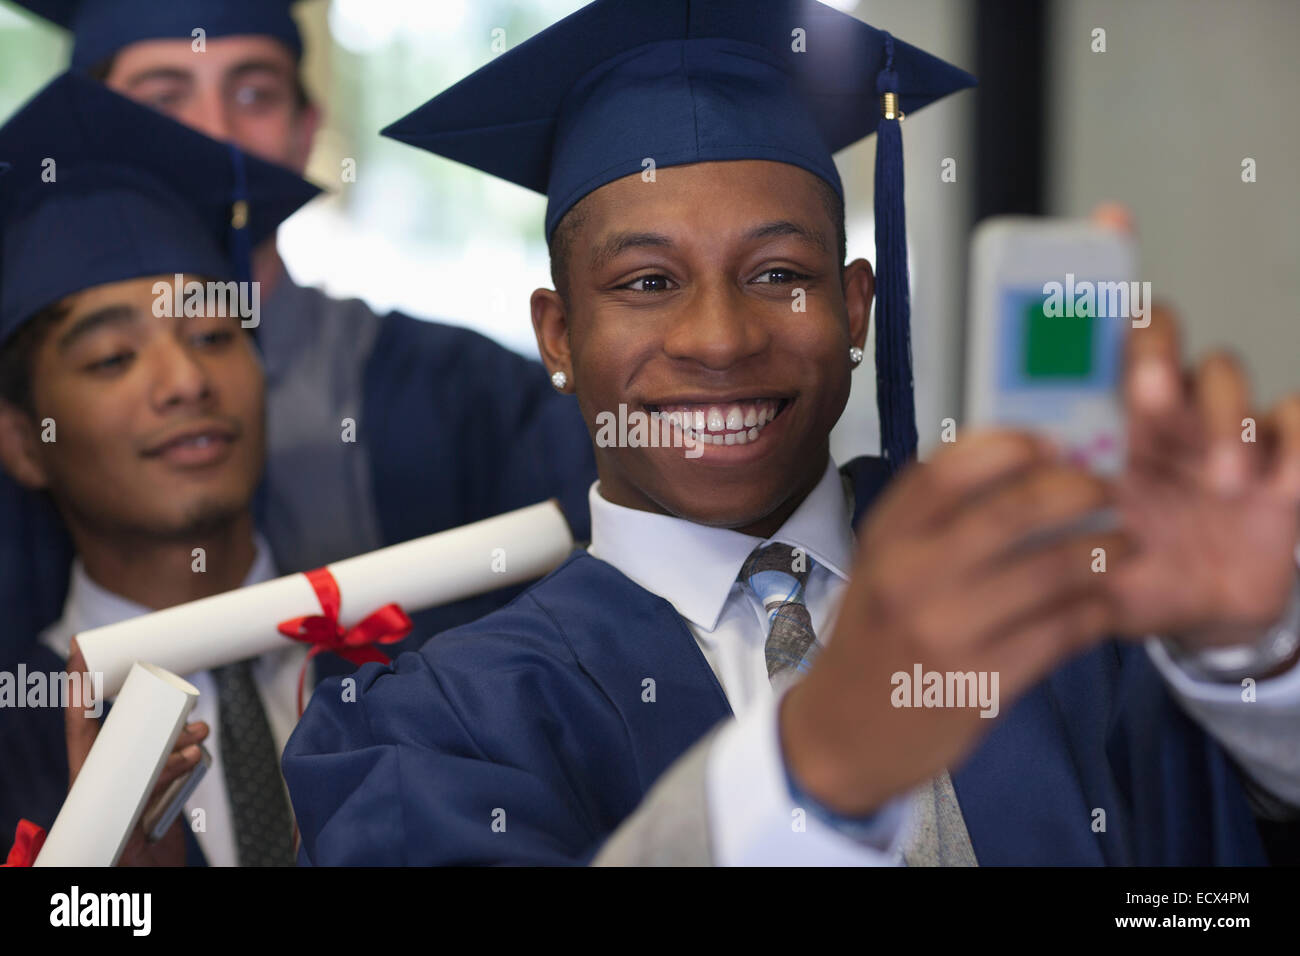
(204, 517)
(718, 507)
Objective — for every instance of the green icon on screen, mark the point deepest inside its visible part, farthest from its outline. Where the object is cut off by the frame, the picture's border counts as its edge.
(1057, 347)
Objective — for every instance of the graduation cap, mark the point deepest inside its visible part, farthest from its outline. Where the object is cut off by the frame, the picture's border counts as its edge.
(102, 27)
(101, 189)
(585, 101)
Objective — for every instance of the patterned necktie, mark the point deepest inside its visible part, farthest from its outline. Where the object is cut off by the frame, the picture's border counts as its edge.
(258, 807)
(777, 576)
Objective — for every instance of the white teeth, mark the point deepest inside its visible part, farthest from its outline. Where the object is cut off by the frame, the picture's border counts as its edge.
(741, 437)
(751, 418)
(716, 424)
(735, 417)
(730, 438)
(753, 434)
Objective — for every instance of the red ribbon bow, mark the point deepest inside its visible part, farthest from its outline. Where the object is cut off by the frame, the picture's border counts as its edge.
(356, 644)
(28, 840)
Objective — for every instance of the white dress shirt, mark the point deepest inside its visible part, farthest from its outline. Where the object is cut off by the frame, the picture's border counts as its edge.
(694, 568)
(752, 817)
(276, 675)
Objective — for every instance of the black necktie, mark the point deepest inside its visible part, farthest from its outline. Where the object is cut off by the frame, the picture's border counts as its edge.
(251, 767)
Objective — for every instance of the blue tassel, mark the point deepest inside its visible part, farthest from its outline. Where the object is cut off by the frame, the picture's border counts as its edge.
(893, 308)
(241, 253)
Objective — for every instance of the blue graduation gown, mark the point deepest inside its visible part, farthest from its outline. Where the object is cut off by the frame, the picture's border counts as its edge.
(454, 428)
(533, 718)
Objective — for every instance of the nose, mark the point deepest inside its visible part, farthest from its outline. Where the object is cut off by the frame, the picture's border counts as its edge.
(716, 327)
(178, 377)
(206, 112)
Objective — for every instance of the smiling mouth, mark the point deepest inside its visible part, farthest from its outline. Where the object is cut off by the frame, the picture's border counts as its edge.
(197, 442)
(725, 423)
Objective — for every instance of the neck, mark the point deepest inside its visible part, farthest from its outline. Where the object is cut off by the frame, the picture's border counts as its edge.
(160, 573)
(626, 493)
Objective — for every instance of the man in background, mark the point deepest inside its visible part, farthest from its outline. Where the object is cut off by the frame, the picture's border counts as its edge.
(379, 428)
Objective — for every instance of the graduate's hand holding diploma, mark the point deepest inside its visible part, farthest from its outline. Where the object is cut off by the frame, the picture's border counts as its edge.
(957, 569)
(81, 732)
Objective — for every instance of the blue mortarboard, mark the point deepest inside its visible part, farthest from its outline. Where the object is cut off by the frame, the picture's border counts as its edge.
(102, 189)
(584, 102)
(102, 27)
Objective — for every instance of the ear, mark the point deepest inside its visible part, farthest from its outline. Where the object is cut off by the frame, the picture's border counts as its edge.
(551, 326)
(304, 136)
(20, 448)
(859, 290)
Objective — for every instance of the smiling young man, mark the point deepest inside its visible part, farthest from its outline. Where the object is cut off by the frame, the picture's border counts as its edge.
(144, 427)
(642, 704)
(447, 426)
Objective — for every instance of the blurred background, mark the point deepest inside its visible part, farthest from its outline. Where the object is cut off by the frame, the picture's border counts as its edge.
(1161, 120)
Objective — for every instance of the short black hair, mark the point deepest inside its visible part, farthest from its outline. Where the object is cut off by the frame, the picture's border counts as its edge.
(18, 355)
(561, 244)
(104, 68)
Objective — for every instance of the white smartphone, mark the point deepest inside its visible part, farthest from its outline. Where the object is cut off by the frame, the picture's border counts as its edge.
(1051, 303)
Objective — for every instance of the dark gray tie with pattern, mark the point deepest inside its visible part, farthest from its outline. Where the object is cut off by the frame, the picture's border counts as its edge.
(251, 766)
(777, 575)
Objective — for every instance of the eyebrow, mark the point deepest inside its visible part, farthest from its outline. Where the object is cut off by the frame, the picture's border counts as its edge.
(158, 73)
(109, 315)
(243, 69)
(620, 242)
(179, 74)
(784, 227)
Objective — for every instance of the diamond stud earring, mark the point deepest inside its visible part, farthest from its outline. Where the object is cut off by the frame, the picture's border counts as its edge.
(855, 356)
(559, 380)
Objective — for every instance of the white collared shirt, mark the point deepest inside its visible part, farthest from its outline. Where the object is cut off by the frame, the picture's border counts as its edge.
(276, 675)
(752, 818)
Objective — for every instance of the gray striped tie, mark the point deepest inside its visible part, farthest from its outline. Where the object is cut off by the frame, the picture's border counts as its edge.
(251, 766)
(777, 576)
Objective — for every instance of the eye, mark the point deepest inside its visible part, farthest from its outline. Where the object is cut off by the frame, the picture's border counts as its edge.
(779, 276)
(214, 339)
(167, 102)
(650, 283)
(111, 363)
(257, 97)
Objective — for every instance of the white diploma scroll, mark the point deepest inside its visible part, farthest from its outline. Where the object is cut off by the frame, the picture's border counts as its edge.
(438, 569)
(109, 794)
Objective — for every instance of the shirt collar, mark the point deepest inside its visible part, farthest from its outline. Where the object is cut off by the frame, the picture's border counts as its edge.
(90, 605)
(693, 567)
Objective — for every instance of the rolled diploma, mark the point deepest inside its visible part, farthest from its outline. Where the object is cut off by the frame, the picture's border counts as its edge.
(109, 794)
(417, 574)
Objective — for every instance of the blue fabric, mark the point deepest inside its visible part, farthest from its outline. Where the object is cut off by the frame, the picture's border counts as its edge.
(460, 428)
(587, 100)
(130, 193)
(893, 303)
(102, 27)
(534, 717)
